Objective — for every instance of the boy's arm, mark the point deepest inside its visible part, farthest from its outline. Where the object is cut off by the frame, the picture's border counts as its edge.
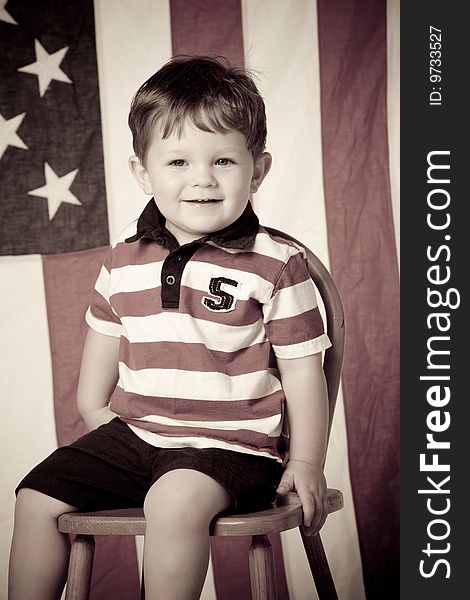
(304, 385)
(98, 378)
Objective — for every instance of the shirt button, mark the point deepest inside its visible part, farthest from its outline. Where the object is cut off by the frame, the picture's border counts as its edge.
(177, 258)
(160, 241)
(170, 280)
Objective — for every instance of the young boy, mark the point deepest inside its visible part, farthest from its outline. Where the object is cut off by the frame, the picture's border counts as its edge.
(197, 316)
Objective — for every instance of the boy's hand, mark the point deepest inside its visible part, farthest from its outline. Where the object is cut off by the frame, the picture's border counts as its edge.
(309, 482)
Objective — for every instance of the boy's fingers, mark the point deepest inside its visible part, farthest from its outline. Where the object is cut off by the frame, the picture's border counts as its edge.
(319, 518)
(315, 525)
(308, 506)
(286, 485)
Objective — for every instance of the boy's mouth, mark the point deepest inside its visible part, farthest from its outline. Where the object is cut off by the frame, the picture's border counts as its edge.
(204, 200)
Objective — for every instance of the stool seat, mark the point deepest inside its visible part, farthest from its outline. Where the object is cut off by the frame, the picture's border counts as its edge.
(287, 514)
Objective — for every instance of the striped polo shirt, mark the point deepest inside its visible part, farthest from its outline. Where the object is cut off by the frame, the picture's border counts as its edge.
(200, 327)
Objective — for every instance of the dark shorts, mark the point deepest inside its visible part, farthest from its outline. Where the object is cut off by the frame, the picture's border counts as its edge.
(111, 467)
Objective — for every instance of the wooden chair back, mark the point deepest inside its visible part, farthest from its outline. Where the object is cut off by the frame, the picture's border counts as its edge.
(335, 326)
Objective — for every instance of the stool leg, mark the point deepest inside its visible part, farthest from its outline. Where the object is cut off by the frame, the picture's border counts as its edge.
(262, 576)
(319, 567)
(80, 568)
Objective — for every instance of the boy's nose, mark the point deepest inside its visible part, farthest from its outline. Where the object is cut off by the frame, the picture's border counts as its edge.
(203, 177)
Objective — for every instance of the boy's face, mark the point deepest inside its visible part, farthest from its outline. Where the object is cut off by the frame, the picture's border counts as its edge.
(201, 181)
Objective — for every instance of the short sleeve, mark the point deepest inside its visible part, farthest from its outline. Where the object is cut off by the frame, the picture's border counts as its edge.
(292, 319)
(100, 315)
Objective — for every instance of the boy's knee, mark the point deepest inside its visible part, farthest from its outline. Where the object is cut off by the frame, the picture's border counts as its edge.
(168, 503)
(189, 500)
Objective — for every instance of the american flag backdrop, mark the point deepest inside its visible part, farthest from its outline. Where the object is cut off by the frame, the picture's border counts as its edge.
(328, 70)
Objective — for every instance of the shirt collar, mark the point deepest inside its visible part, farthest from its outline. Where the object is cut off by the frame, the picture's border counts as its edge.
(240, 234)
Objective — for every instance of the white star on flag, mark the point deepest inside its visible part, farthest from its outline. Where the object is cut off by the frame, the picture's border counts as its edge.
(8, 135)
(4, 15)
(46, 67)
(56, 190)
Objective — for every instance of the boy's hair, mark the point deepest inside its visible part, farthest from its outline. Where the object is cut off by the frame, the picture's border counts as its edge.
(214, 95)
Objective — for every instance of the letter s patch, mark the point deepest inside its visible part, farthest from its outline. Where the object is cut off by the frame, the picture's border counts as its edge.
(224, 301)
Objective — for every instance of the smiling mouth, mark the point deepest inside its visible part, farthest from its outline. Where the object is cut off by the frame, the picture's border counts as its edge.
(204, 200)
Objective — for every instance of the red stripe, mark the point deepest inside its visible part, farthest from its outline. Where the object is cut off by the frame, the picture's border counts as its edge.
(294, 330)
(352, 36)
(267, 267)
(296, 273)
(214, 27)
(207, 27)
(142, 252)
(129, 404)
(231, 570)
(195, 357)
(107, 260)
(101, 309)
(68, 280)
(149, 302)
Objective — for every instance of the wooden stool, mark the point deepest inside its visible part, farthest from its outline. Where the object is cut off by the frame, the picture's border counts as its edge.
(282, 517)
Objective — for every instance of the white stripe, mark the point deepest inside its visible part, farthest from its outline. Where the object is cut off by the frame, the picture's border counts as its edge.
(27, 407)
(134, 278)
(318, 344)
(281, 46)
(196, 275)
(131, 44)
(179, 327)
(104, 327)
(339, 534)
(291, 301)
(162, 441)
(133, 40)
(269, 425)
(197, 385)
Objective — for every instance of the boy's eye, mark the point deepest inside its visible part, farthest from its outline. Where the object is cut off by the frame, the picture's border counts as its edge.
(223, 162)
(178, 162)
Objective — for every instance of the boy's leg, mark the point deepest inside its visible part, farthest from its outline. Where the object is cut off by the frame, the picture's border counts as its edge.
(178, 509)
(39, 553)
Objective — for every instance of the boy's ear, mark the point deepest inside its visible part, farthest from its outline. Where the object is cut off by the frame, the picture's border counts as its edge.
(140, 174)
(262, 166)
